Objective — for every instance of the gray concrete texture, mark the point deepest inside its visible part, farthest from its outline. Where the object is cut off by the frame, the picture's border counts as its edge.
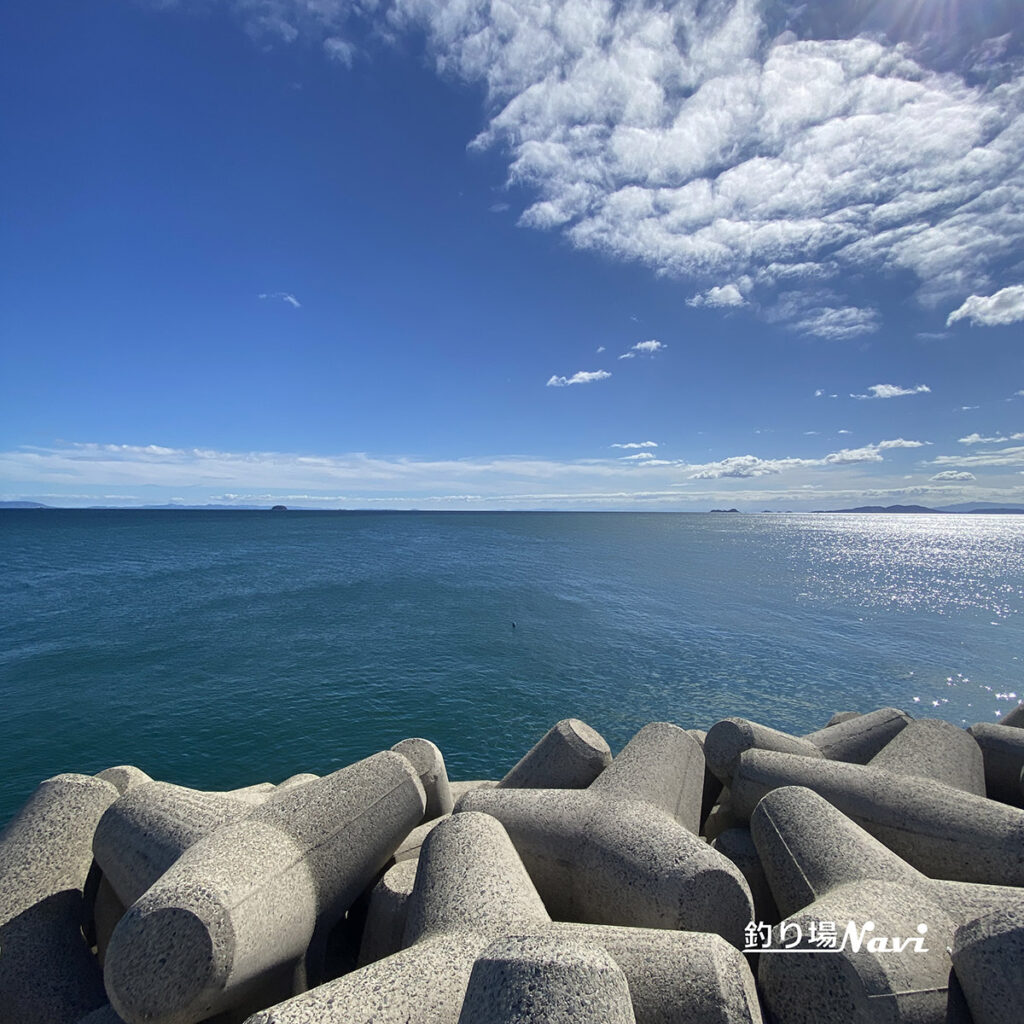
(238, 909)
(47, 973)
(570, 755)
(941, 831)
(148, 828)
(1002, 748)
(872, 985)
(860, 738)
(841, 716)
(727, 739)
(1015, 718)
(988, 957)
(663, 766)
(386, 913)
(124, 777)
(618, 862)
(712, 784)
(542, 980)
(934, 749)
(738, 845)
(470, 878)
(427, 759)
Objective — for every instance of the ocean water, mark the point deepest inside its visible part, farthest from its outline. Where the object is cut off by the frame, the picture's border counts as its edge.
(218, 649)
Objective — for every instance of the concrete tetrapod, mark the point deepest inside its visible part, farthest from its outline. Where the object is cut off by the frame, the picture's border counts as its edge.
(386, 913)
(429, 762)
(1002, 747)
(941, 831)
(809, 848)
(541, 980)
(1014, 718)
(620, 861)
(148, 828)
(727, 739)
(934, 749)
(822, 867)
(712, 784)
(124, 777)
(570, 755)
(238, 910)
(860, 738)
(988, 957)
(662, 765)
(471, 887)
(47, 974)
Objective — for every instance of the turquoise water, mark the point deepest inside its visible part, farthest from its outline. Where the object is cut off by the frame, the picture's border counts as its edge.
(217, 649)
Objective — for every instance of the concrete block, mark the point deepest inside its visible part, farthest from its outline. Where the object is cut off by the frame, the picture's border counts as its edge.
(661, 765)
(570, 755)
(809, 848)
(841, 716)
(427, 759)
(988, 957)
(460, 789)
(425, 984)
(106, 1014)
(712, 784)
(107, 911)
(675, 977)
(296, 780)
(727, 739)
(253, 795)
(1015, 718)
(47, 973)
(859, 739)
(618, 862)
(470, 878)
(145, 831)
(941, 831)
(410, 846)
(872, 985)
(1002, 748)
(387, 912)
(124, 777)
(240, 908)
(934, 749)
(738, 845)
(541, 980)
(722, 817)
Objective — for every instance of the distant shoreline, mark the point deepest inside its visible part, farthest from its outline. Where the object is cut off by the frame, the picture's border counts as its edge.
(860, 510)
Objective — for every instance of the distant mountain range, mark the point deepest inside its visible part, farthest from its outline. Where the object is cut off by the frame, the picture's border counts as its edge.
(967, 508)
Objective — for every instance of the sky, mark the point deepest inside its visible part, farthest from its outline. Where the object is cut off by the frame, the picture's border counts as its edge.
(512, 254)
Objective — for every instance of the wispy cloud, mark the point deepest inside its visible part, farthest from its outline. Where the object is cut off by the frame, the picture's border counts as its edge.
(996, 439)
(1001, 457)
(637, 456)
(893, 391)
(284, 297)
(1004, 307)
(580, 377)
(635, 444)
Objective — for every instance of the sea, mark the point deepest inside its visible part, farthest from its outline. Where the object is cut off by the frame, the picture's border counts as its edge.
(217, 649)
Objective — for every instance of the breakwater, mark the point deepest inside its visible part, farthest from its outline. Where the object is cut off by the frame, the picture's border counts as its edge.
(872, 870)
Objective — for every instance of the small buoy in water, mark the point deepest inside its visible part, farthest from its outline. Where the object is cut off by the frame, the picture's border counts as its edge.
(513, 625)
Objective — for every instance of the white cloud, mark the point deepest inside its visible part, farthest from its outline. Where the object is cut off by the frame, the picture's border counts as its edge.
(976, 438)
(1004, 307)
(849, 456)
(1001, 457)
(636, 444)
(694, 138)
(722, 296)
(952, 476)
(900, 442)
(893, 391)
(580, 377)
(639, 455)
(600, 349)
(644, 348)
(284, 297)
(844, 431)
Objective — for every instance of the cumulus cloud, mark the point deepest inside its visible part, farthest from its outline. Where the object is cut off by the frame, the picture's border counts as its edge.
(952, 476)
(635, 444)
(1004, 307)
(719, 296)
(899, 442)
(284, 297)
(580, 377)
(1013, 456)
(893, 391)
(976, 438)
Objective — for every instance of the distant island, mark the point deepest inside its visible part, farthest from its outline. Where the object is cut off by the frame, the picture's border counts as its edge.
(924, 510)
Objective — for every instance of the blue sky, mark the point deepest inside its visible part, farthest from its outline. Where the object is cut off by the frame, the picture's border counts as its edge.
(440, 254)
